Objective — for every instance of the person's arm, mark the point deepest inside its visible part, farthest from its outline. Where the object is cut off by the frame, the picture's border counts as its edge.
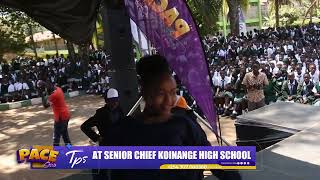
(265, 81)
(87, 126)
(245, 82)
(284, 93)
(299, 92)
(316, 91)
(50, 100)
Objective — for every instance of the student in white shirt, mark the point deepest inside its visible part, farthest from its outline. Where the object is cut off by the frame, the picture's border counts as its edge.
(25, 86)
(11, 88)
(18, 86)
(314, 74)
(222, 80)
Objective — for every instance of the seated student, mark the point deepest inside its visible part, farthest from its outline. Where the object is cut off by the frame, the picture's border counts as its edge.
(299, 74)
(221, 84)
(1, 93)
(157, 126)
(278, 81)
(289, 90)
(18, 88)
(26, 93)
(316, 91)
(239, 93)
(270, 95)
(4, 90)
(305, 91)
(11, 92)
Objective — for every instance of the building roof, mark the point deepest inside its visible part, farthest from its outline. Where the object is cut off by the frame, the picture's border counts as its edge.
(42, 36)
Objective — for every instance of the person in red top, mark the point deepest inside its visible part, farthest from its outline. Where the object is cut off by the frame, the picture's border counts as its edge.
(61, 115)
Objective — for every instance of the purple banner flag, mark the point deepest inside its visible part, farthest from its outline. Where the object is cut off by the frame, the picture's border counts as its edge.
(169, 26)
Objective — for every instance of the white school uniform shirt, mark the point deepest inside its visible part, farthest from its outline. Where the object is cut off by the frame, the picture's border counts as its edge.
(222, 53)
(270, 51)
(11, 88)
(218, 81)
(297, 56)
(315, 77)
(50, 61)
(18, 86)
(277, 58)
(275, 70)
(216, 74)
(316, 62)
(290, 47)
(289, 69)
(303, 50)
(298, 77)
(25, 86)
(14, 77)
(285, 47)
(62, 69)
(107, 78)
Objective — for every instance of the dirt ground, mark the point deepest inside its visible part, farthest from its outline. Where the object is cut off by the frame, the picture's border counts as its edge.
(33, 125)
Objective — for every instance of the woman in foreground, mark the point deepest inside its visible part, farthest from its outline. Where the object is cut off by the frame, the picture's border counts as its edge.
(157, 126)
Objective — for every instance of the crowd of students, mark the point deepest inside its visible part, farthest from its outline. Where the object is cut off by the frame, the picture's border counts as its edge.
(289, 57)
(23, 77)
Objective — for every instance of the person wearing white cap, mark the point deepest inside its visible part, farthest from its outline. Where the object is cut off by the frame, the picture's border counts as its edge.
(112, 93)
(103, 120)
(104, 117)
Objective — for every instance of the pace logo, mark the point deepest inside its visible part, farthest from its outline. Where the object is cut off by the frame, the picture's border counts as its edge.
(39, 156)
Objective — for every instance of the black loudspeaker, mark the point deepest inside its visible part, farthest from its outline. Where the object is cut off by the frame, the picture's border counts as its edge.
(118, 42)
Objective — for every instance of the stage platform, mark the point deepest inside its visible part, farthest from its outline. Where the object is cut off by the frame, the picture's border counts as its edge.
(295, 158)
(288, 136)
(274, 123)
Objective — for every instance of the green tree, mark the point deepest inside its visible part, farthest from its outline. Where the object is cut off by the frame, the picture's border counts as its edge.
(206, 14)
(17, 23)
(11, 42)
(276, 5)
(233, 13)
(313, 5)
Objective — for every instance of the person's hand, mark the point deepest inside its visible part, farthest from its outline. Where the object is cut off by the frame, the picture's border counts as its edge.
(46, 106)
(289, 98)
(251, 86)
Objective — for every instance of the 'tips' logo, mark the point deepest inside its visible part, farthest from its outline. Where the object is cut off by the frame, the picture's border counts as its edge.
(38, 156)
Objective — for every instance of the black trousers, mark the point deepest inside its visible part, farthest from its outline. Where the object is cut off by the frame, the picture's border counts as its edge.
(61, 129)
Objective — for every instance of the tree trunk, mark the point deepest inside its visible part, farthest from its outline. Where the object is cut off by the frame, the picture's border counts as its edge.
(233, 16)
(34, 47)
(55, 44)
(277, 7)
(71, 52)
(84, 57)
(311, 13)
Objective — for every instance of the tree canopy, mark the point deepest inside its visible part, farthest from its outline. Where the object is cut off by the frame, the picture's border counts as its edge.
(206, 14)
(15, 27)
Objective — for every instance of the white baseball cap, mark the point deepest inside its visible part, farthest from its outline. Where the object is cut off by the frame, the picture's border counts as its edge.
(112, 93)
